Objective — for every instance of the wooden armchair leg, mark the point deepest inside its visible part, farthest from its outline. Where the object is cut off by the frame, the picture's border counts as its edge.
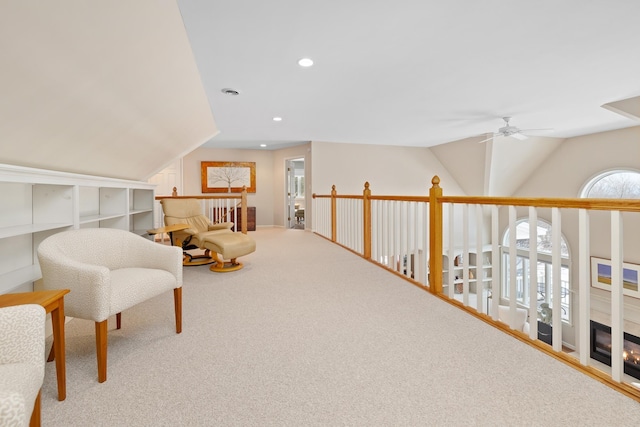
(177, 302)
(101, 350)
(36, 415)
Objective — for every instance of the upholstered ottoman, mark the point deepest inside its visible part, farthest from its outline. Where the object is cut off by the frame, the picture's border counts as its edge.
(228, 245)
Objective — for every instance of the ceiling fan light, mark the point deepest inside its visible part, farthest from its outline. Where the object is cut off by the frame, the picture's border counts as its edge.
(519, 136)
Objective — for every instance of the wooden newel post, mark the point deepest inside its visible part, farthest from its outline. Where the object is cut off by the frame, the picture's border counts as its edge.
(333, 213)
(435, 234)
(366, 209)
(243, 209)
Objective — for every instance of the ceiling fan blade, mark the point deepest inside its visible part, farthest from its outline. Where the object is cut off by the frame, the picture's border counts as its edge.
(519, 136)
(488, 139)
(537, 130)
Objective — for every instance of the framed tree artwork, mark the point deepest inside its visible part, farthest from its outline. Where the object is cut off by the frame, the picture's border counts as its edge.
(228, 177)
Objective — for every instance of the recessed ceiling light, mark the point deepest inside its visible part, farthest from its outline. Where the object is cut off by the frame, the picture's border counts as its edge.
(277, 119)
(229, 91)
(305, 62)
(263, 145)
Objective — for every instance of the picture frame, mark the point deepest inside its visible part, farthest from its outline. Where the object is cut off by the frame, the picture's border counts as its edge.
(601, 276)
(228, 177)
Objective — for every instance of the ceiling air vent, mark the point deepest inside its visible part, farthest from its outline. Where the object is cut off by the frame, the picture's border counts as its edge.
(228, 91)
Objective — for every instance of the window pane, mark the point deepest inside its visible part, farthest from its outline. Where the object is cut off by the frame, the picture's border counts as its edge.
(544, 284)
(616, 185)
(544, 238)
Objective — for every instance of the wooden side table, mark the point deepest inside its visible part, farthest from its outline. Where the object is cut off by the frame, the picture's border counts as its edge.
(169, 229)
(53, 302)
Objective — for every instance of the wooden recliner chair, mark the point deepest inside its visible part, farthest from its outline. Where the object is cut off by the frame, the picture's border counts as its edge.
(218, 241)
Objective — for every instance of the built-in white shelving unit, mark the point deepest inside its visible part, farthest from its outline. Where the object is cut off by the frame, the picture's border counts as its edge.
(37, 203)
(479, 269)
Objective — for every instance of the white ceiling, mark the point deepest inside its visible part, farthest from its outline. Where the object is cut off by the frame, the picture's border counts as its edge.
(412, 73)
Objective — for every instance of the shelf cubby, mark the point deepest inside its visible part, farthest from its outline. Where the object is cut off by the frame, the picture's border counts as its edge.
(37, 203)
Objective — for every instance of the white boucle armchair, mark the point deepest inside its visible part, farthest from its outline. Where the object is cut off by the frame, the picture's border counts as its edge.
(21, 364)
(108, 271)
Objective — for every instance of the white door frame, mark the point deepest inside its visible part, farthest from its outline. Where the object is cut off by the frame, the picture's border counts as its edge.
(290, 197)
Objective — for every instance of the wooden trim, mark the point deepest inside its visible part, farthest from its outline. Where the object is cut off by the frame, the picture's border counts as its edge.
(227, 173)
(366, 211)
(53, 302)
(627, 205)
(168, 229)
(435, 240)
(225, 196)
(177, 303)
(101, 350)
(36, 415)
(243, 211)
(334, 221)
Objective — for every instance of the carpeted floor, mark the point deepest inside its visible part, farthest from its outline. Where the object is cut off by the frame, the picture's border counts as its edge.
(309, 334)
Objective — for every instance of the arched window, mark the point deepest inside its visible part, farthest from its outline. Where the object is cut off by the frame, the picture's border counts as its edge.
(613, 184)
(543, 267)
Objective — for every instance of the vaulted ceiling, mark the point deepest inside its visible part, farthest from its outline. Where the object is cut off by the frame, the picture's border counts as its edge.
(123, 88)
(412, 72)
(100, 88)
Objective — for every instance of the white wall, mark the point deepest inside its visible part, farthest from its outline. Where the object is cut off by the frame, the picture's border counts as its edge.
(106, 88)
(579, 159)
(564, 173)
(389, 170)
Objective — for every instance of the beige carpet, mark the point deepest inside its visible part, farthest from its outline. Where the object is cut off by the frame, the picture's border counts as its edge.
(309, 334)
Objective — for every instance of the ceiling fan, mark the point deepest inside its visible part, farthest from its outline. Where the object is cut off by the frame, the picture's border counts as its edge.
(508, 130)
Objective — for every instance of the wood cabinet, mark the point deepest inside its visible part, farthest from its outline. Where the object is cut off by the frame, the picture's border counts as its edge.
(37, 203)
(251, 218)
(236, 217)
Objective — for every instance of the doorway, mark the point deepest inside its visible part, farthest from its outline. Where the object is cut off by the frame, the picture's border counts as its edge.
(295, 193)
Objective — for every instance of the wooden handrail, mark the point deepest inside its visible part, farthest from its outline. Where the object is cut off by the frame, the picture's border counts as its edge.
(226, 196)
(403, 263)
(626, 205)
